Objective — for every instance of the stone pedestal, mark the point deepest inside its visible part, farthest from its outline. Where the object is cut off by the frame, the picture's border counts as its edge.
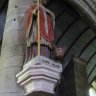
(39, 76)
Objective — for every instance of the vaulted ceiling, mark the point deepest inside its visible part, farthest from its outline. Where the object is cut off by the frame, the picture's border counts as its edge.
(71, 31)
(75, 34)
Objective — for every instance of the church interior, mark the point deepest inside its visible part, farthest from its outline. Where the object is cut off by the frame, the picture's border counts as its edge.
(74, 31)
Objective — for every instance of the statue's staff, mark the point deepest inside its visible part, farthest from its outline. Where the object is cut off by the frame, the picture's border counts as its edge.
(38, 22)
(39, 30)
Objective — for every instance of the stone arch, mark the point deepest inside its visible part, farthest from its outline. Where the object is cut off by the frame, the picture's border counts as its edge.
(86, 9)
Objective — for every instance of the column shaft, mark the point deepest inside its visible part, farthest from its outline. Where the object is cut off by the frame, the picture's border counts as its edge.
(13, 47)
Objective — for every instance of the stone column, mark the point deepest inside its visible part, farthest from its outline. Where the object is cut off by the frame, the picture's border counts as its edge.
(75, 82)
(13, 47)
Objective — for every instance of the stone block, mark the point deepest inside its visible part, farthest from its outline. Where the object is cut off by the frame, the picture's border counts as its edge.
(8, 82)
(13, 50)
(15, 61)
(39, 75)
(14, 37)
(12, 94)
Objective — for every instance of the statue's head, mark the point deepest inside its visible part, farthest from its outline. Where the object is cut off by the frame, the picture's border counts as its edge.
(42, 1)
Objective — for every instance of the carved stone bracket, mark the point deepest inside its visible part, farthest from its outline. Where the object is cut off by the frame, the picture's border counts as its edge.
(40, 75)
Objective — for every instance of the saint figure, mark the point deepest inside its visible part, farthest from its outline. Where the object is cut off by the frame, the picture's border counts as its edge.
(47, 24)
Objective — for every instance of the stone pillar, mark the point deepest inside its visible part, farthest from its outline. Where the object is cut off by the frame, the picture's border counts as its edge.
(13, 47)
(75, 82)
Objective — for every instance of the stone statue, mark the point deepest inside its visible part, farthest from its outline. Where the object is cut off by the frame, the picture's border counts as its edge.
(47, 24)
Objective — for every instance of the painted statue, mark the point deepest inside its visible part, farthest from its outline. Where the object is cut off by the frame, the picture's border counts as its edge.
(47, 24)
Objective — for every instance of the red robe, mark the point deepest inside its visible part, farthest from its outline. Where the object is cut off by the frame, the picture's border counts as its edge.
(46, 32)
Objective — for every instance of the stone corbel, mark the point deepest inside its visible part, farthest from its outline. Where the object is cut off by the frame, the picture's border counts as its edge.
(39, 76)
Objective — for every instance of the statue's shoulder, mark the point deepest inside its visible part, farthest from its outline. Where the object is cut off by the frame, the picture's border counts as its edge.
(31, 7)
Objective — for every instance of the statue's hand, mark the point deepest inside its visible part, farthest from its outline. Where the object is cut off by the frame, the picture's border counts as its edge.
(51, 45)
(34, 12)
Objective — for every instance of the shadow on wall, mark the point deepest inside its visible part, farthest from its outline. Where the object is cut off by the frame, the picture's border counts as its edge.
(0, 46)
(3, 12)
